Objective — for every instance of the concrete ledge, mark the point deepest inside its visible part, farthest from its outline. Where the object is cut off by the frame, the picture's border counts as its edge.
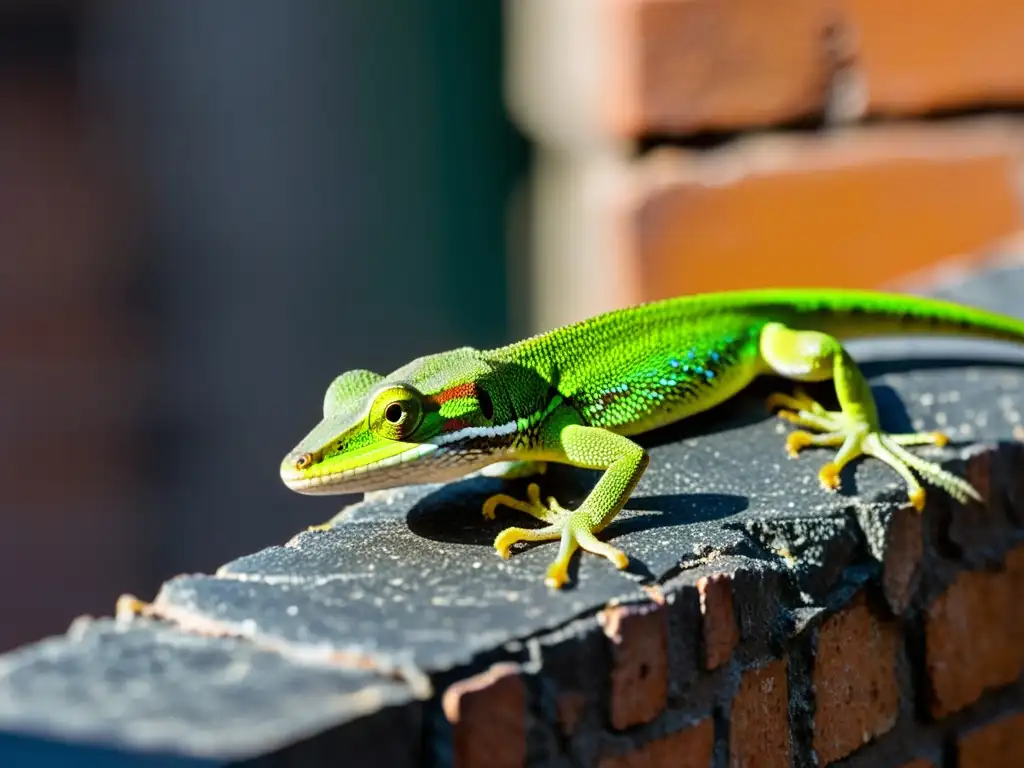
(762, 617)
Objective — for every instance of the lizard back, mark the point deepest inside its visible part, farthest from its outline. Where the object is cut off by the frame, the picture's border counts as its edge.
(637, 368)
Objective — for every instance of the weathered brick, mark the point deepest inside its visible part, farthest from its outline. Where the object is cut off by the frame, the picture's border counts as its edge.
(916, 56)
(886, 202)
(486, 710)
(855, 689)
(721, 633)
(980, 530)
(639, 677)
(974, 635)
(691, 748)
(997, 744)
(759, 724)
(903, 552)
(679, 66)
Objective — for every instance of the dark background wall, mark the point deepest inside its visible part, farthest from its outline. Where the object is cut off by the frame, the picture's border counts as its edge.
(207, 211)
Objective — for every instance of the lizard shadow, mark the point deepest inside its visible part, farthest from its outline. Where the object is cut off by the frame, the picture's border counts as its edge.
(453, 513)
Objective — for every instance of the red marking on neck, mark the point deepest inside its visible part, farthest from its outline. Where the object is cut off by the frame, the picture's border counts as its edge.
(461, 390)
(454, 425)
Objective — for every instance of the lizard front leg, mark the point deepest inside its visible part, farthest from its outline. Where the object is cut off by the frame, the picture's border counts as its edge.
(566, 440)
(854, 429)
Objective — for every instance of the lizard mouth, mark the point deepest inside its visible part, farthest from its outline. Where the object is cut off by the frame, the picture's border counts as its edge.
(422, 463)
(345, 475)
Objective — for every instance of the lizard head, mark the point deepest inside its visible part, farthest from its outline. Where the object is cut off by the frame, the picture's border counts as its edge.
(433, 420)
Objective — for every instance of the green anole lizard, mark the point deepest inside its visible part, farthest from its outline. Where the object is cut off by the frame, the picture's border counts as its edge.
(575, 395)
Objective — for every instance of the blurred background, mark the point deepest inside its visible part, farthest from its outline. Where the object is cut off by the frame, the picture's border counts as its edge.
(209, 210)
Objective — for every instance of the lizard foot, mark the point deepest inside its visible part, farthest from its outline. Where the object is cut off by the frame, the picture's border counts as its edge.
(574, 528)
(854, 437)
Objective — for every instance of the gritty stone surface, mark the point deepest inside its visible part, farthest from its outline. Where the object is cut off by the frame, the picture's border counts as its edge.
(334, 631)
(143, 686)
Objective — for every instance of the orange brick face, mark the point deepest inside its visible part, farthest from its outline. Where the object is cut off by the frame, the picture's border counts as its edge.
(759, 725)
(639, 679)
(961, 54)
(974, 636)
(856, 695)
(488, 716)
(691, 748)
(854, 210)
(679, 66)
(721, 633)
(998, 744)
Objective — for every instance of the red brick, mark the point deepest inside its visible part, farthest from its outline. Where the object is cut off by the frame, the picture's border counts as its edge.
(721, 633)
(919, 763)
(903, 552)
(679, 66)
(488, 716)
(998, 744)
(974, 636)
(854, 209)
(692, 748)
(855, 689)
(759, 727)
(918, 55)
(639, 677)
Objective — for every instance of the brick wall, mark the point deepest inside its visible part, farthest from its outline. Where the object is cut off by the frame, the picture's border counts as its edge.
(916, 664)
(692, 145)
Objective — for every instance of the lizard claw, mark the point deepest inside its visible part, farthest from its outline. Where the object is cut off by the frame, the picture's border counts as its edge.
(854, 437)
(572, 527)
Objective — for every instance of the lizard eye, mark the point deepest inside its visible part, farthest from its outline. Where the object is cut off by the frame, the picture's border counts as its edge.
(304, 461)
(396, 412)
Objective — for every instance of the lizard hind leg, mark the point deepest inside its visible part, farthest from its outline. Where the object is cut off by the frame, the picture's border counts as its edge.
(855, 428)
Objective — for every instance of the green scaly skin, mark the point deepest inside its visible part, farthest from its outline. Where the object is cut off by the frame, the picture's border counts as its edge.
(577, 394)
